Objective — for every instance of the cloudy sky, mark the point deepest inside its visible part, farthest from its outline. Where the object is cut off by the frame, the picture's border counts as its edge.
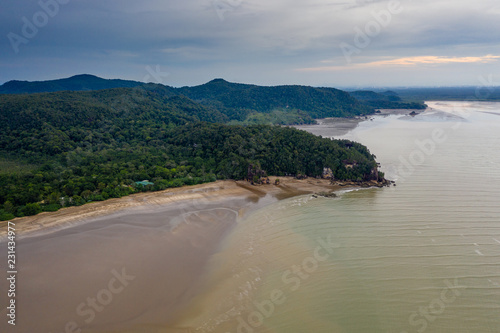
(336, 43)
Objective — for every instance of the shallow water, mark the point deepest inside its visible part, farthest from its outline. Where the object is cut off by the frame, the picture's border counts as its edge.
(423, 256)
(132, 268)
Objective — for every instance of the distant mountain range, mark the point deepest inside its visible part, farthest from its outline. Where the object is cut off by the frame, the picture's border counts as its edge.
(237, 102)
(472, 93)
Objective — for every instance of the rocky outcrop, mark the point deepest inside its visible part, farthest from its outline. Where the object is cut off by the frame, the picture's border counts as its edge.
(325, 195)
(371, 183)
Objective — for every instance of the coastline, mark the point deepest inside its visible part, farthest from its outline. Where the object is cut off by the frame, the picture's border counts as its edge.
(70, 216)
(213, 192)
(337, 127)
(403, 112)
(331, 126)
(178, 231)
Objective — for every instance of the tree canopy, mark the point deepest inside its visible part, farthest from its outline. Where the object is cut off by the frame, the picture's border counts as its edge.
(69, 148)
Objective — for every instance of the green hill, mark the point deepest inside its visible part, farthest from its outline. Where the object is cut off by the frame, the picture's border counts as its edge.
(238, 101)
(53, 123)
(82, 82)
(68, 148)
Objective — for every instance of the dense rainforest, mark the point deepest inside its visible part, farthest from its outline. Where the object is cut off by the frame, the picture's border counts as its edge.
(68, 148)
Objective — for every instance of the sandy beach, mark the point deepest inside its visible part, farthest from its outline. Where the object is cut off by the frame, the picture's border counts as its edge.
(385, 112)
(187, 195)
(161, 240)
(331, 126)
(337, 127)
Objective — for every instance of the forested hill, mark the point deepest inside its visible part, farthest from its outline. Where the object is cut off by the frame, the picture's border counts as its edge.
(242, 99)
(82, 82)
(241, 103)
(97, 109)
(238, 102)
(69, 148)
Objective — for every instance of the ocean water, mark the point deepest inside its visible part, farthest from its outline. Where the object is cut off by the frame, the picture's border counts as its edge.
(422, 256)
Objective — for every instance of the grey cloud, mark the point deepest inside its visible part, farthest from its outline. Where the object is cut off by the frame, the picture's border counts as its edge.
(213, 38)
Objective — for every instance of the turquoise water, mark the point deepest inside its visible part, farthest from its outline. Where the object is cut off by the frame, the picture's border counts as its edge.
(423, 256)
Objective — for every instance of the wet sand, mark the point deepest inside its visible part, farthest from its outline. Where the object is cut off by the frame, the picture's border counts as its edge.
(331, 126)
(385, 112)
(336, 127)
(130, 262)
(188, 195)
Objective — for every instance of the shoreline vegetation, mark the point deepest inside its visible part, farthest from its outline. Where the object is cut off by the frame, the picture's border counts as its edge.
(184, 227)
(187, 155)
(173, 165)
(214, 192)
(68, 148)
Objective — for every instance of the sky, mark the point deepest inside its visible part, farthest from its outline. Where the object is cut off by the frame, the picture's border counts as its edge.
(336, 43)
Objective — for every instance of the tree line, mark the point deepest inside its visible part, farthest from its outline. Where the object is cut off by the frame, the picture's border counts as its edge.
(91, 146)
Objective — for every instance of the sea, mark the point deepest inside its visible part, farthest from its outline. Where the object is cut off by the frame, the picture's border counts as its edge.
(420, 256)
